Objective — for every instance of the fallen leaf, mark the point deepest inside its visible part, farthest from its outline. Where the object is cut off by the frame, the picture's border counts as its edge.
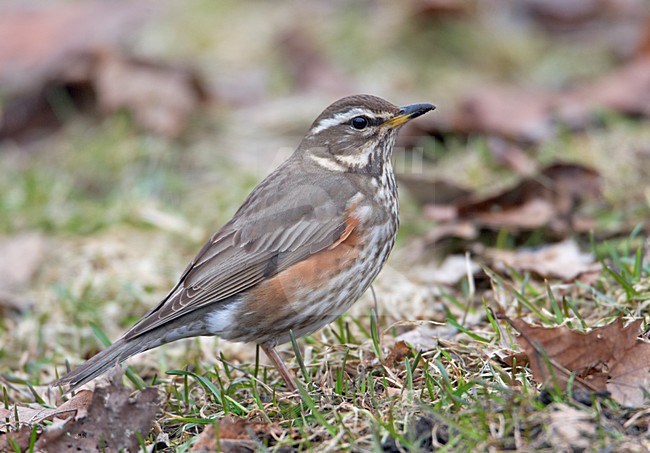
(588, 19)
(529, 215)
(208, 441)
(112, 422)
(38, 43)
(530, 116)
(437, 9)
(643, 49)
(548, 199)
(235, 435)
(629, 376)
(626, 91)
(518, 114)
(41, 46)
(75, 50)
(76, 405)
(20, 438)
(160, 97)
(398, 353)
(608, 358)
(510, 357)
(563, 260)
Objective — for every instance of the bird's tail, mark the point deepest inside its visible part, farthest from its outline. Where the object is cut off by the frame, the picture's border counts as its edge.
(115, 354)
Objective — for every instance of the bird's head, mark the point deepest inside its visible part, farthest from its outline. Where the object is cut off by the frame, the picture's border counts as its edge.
(357, 133)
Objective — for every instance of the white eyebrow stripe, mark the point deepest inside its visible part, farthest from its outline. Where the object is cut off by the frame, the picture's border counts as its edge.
(339, 118)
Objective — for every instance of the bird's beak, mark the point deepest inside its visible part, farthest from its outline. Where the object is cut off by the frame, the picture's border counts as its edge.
(407, 113)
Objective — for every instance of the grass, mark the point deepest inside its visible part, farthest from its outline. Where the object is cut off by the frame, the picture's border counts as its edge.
(350, 394)
(122, 213)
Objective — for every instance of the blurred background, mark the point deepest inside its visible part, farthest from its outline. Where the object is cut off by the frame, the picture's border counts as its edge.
(130, 131)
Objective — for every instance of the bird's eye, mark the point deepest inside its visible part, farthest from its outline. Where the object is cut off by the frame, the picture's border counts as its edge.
(359, 122)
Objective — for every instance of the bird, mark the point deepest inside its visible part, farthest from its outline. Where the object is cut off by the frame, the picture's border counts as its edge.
(306, 243)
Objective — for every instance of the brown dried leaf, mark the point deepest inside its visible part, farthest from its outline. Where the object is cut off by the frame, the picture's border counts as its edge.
(111, 423)
(530, 215)
(643, 50)
(629, 376)
(75, 49)
(398, 353)
(516, 114)
(208, 442)
(76, 405)
(626, 90)
(437, 9)
(563, 260)
(37, 44)
(586, 16)
(510, 357)
(235, 435)
(528, 116)
(547, 199)
(20, 438)
(160, 97)
(556, 353)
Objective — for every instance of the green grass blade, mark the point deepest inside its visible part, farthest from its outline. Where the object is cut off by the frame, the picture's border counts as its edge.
(318, 415)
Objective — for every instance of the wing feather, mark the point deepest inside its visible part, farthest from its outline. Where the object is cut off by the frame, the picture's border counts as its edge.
(256, 244)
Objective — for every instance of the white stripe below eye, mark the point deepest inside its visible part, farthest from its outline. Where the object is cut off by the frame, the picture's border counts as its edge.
(328, 163)
(360, 159)
(339, 118)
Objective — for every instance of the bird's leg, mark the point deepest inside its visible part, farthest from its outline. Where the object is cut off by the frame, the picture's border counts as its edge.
(271, 353)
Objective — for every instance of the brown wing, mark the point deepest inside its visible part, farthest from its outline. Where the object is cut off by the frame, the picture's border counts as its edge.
(272, 231)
